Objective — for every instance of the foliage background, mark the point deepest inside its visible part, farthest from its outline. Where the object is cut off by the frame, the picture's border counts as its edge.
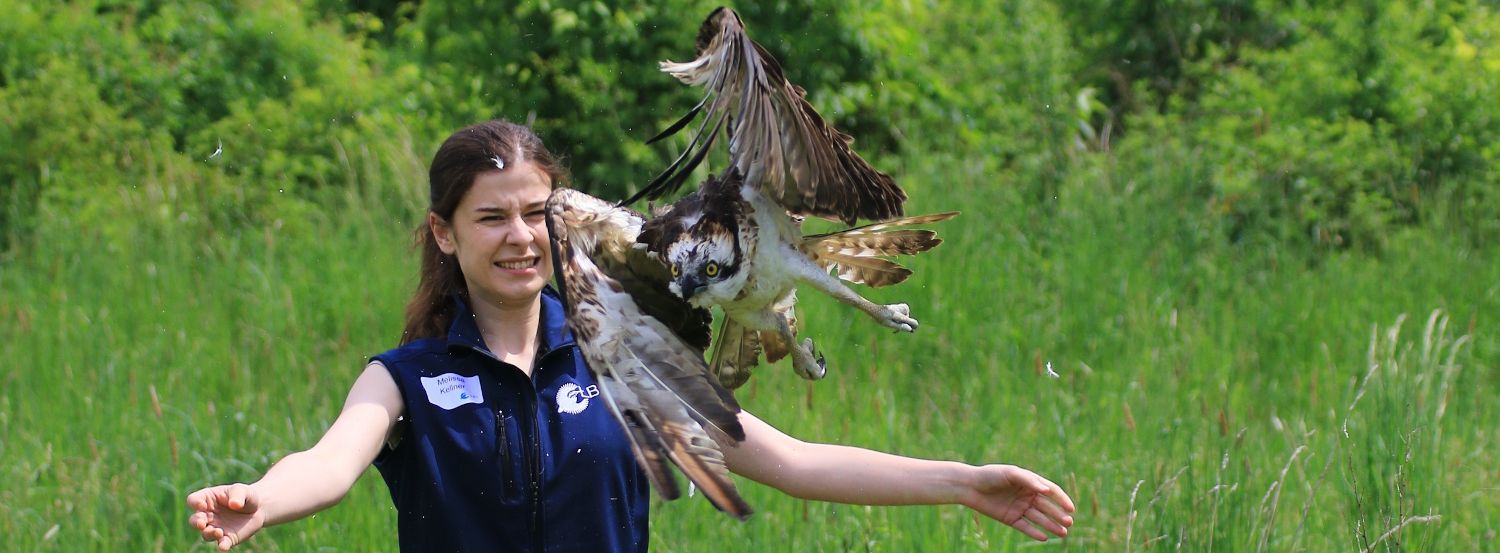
(1208, 215)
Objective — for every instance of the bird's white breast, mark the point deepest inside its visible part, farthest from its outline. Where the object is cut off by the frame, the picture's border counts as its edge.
(768, 248)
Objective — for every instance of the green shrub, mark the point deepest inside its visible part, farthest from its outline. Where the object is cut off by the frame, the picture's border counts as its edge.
(1348, 128)
(1161, 45)
(252, 111)
(62, 140)
(996, 87)
(585, 72)
(1328, 127)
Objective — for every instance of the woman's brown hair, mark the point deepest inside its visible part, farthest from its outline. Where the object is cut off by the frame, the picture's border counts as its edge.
(466, 154)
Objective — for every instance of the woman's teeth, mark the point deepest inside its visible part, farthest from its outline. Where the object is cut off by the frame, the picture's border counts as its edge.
(527, 264)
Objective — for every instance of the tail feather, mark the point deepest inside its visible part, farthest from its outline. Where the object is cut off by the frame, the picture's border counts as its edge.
(735, 352)
(738, 349)
(773, 346)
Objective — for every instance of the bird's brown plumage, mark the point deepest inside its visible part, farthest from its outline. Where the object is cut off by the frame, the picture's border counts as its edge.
(776, 139)
(786, 162)
(646, 347)
(857, 254)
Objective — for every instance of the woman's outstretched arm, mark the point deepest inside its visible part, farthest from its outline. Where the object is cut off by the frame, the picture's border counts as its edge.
(308, 481)
(825, 472)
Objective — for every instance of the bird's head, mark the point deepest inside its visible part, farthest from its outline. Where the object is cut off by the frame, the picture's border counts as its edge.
(705, 264)
(698, 238)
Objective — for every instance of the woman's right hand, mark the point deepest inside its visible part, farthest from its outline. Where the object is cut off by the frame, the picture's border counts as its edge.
(227, 514)
(308, 481)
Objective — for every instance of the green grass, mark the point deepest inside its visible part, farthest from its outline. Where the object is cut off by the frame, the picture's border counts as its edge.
(1205, 390)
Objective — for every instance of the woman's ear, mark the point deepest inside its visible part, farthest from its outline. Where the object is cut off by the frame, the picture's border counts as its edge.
(442, 233)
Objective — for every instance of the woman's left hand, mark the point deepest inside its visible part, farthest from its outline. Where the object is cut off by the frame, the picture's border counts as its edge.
(1021, 499)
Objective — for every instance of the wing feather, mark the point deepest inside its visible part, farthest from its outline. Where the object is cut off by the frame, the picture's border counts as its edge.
(776, 138)
(855, 254)
(646, 347)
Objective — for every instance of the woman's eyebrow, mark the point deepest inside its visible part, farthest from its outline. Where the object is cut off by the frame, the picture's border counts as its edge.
(533, 206)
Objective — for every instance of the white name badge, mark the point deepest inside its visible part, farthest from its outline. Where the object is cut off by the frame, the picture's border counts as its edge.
(452, 390)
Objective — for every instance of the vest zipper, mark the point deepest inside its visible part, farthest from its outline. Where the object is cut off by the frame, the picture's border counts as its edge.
(536, 479)
(534, 460)
(507, 474)
(538, 543)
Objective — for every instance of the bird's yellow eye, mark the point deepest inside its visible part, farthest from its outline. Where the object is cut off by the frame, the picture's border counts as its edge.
(676, 270)
(712, 269)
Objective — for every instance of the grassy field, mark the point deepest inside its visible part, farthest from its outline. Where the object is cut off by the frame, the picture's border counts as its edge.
(1210, 397)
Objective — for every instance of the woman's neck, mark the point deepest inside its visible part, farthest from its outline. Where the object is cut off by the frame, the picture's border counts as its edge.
(510, 329)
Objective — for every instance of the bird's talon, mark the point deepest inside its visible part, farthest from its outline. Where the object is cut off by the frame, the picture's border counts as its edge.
(898, 316)
(813, 366)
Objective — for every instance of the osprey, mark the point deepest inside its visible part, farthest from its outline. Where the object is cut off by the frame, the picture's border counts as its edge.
(637, 292)
(737, 241)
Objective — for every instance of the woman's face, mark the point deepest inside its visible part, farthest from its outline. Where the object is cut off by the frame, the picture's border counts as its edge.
(498, 232)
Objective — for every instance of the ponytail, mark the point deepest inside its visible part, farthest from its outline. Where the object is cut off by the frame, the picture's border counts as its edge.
(430, 310)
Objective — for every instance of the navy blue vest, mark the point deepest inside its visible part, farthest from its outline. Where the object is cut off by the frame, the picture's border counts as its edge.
(490, 460)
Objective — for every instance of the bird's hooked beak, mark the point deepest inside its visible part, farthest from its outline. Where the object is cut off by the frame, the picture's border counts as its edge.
(689, 286)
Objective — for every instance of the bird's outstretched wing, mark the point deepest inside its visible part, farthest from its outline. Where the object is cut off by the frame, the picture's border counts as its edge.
(646, 347)
(776, 138)
(858, 254)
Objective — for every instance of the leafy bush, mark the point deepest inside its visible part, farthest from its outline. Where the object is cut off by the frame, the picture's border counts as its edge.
(1158, 45)
(1347, 127)
(584, 72)
(247, 106)
(1328, 127)
(1342, 133)
(62, 139)
(989, 92)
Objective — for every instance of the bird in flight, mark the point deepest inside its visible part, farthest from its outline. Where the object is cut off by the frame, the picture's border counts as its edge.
(638, 291)
(737, 242)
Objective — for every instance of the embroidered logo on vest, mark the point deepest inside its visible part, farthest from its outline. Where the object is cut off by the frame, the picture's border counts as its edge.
(452, 390)
(572, 399)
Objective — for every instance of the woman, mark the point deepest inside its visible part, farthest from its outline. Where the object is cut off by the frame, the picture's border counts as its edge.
(480, 422)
